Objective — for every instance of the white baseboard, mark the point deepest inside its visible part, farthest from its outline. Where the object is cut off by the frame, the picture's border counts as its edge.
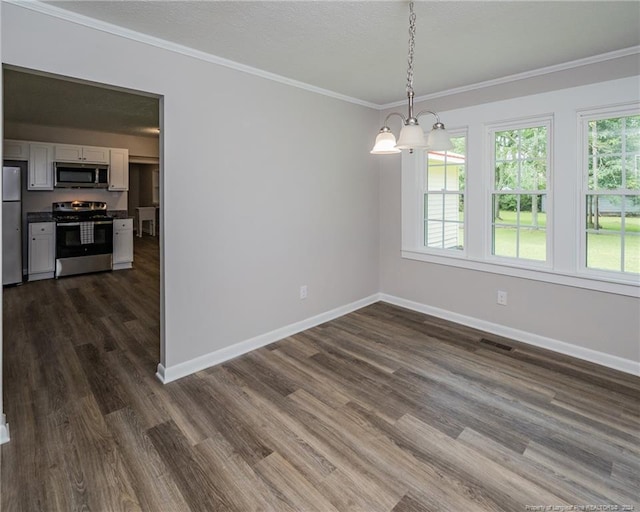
(171, 373)
(4, 429)
(615, 362)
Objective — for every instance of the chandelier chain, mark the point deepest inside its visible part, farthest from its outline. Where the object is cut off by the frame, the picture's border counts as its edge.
(412, 44)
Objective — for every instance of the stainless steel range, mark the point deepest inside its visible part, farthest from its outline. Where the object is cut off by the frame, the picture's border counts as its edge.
(84, 237)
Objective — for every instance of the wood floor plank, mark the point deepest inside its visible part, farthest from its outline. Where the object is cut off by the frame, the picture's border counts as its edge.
(246, 491)
(189, 471)
(544, 476)
(591, 476)
(105, 386)
(496, 482)
(409, 504)
(285, 437)
(290, 486)
(143, 463)
(107, 480)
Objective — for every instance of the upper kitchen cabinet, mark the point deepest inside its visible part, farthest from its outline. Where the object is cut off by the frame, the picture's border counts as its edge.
(119, 170)
(15, 150)
(40, 166)
(89, 154)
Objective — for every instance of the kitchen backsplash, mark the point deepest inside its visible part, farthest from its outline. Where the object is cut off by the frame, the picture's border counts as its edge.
(40, 201)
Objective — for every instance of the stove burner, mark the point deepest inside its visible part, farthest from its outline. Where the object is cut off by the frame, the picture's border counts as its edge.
(80, 211)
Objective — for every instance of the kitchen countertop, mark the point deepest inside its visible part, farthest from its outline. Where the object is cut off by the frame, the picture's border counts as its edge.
(48, 216)
(39, 217)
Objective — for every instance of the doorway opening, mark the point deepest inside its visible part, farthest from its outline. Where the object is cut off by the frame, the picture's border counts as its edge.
(56, 327)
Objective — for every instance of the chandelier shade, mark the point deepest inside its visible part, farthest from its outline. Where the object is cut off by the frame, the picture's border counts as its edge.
(385, 143)
(411, 137)
(438, 139)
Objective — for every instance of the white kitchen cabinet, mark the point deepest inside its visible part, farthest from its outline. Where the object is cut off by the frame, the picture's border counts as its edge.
(122, 243)
(42, 250)
(15, 150)
(119, 170)
(88, 154)
(40, 166)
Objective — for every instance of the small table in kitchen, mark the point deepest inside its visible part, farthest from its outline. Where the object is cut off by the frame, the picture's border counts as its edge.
(146, 213)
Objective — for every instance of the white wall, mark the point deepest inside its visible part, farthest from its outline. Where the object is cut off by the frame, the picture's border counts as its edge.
(266, 187)
(598, 321)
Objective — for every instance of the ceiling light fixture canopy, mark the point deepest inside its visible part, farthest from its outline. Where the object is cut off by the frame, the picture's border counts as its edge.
(411, 135)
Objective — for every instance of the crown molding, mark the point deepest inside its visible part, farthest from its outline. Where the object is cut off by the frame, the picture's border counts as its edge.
(79, 19)
(603, 57)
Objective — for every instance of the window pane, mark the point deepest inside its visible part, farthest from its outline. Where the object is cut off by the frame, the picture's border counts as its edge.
(605, 172)
(507, 145)
(603, 212)
(451, 236)
(443, 204)
(532, 244)
(632, 172)
(604, 250)
(433, 206)
(533, 175)
(533, 143)
(632, 252)
(632, 139)
(505, 208)
(632, 215)
(451, 207)
(433, 234)
(435, 177)
(505, 241)
(506, 176)
(610, 212)
(605, 136)
(532, 211)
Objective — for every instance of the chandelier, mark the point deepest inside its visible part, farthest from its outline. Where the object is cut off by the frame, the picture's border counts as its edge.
(411, 135)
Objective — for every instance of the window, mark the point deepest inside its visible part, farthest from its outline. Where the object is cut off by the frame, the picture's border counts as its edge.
(611, 214)
(443, 197)
(546, 190)
(519, 195)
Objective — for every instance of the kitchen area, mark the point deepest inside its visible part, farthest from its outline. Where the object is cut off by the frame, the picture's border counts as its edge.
(73, 234)
(70, 203)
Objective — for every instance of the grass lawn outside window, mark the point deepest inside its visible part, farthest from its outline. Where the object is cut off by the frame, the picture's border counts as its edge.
(605, 245)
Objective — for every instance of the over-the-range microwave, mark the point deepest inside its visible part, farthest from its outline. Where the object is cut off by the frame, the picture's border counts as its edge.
(77, 175)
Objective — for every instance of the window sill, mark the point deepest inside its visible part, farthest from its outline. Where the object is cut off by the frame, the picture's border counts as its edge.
(627, 288)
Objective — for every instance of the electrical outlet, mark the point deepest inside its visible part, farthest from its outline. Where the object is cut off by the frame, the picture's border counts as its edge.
(303, 292)
(502, 298)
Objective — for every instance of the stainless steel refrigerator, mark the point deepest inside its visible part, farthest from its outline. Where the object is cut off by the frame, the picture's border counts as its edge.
(11, 225)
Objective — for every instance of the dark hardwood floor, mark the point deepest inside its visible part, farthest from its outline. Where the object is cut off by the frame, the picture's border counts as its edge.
(381, 410)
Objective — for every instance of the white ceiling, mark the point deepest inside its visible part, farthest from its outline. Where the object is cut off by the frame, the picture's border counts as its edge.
(357, 49)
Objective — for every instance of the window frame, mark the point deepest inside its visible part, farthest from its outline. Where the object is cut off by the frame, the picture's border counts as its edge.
(456, 133)
(491, 130)
(583, 118)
